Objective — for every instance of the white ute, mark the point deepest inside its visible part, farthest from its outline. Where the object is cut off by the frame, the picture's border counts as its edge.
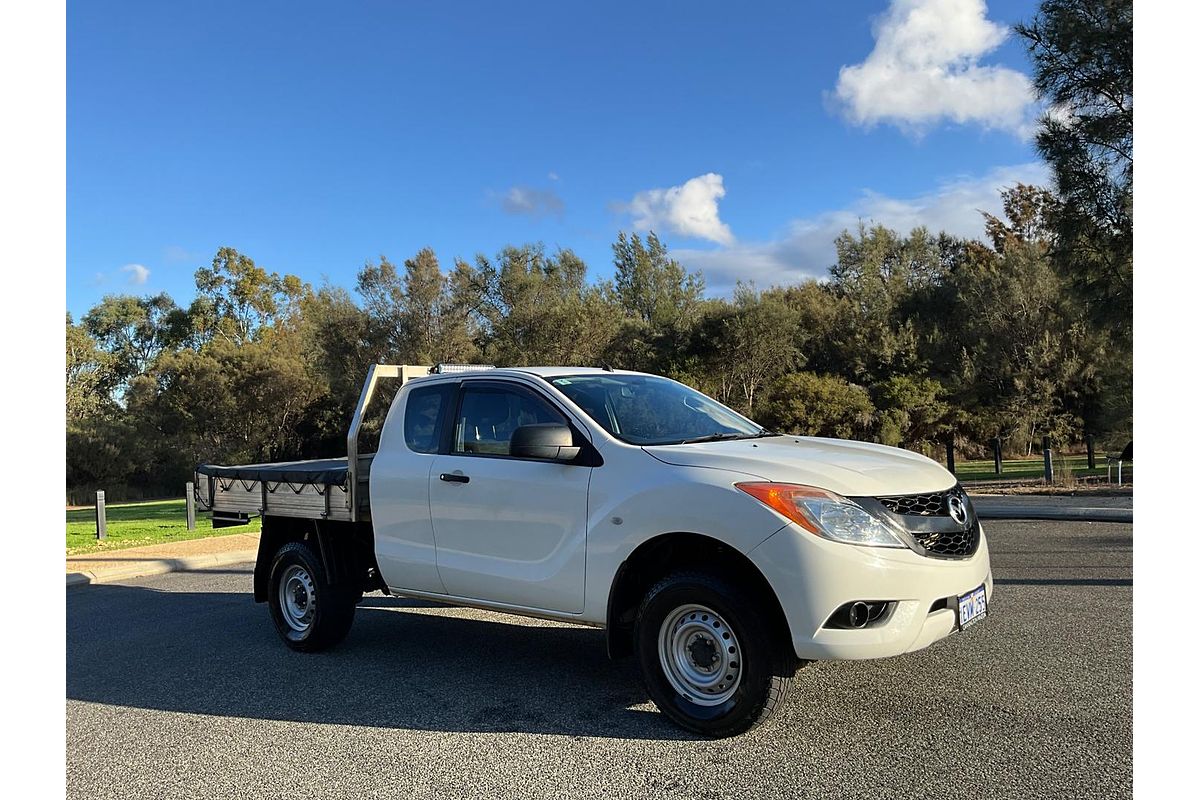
(723, 555)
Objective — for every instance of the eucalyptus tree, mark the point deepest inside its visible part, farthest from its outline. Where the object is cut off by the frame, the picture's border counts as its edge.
(236, 299)
(134, 332)
(87, 368)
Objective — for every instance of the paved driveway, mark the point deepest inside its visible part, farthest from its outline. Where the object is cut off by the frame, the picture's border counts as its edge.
(177, 686)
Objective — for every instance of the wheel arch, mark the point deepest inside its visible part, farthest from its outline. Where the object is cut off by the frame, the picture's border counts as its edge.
(346, 550)
(656, 557)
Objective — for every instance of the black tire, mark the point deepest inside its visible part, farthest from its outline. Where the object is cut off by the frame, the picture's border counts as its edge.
(766, 665)
(329, 609)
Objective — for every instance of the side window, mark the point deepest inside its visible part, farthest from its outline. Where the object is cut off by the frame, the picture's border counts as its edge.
(423, 417)
(488, 417)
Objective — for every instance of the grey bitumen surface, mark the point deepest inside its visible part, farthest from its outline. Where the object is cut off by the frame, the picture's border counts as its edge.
(177, 686)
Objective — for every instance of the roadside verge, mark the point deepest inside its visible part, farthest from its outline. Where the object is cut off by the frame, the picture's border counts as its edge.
(136, 562)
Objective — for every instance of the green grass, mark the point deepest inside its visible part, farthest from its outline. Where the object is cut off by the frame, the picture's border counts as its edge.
(1032, 468)
(137, 524)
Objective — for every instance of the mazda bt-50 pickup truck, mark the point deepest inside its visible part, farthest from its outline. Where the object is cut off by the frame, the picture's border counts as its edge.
(720, 554)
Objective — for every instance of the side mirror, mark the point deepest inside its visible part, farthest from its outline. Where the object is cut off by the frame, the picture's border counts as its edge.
(548, 440)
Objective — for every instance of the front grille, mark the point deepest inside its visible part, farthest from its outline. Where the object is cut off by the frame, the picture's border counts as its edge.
(925, 505)
(949, 543)
(927, 519)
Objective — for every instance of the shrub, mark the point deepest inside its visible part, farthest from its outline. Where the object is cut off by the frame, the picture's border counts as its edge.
(819, 405)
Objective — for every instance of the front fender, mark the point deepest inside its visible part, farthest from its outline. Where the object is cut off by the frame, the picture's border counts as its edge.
(628, 507)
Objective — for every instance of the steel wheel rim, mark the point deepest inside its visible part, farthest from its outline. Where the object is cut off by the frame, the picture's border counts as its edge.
(700, 655)
(297, 598)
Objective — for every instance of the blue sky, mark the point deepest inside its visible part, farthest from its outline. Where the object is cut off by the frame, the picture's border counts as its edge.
(316, 136)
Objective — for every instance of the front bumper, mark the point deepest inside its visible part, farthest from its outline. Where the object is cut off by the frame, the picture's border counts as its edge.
(813, 577)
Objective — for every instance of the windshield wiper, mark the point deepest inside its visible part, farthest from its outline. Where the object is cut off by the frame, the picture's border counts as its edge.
(723, 436)
(717, 437)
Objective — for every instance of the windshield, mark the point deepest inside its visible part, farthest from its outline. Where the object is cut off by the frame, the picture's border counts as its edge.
(648, 410)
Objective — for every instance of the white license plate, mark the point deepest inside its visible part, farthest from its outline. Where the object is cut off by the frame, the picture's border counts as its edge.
(972, 607)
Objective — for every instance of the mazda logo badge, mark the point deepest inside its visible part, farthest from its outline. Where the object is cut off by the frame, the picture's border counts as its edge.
(958, 509)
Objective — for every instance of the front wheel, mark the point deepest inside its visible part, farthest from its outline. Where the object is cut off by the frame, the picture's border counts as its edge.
(309, 612)
(707, 656)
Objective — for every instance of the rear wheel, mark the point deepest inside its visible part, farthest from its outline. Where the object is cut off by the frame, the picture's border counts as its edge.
(309, 612)
(708, 657)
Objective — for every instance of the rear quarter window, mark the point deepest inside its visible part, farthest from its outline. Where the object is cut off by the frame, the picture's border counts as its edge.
(424, 413)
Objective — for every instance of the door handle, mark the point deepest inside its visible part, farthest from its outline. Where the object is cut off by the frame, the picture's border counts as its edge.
(452, 477)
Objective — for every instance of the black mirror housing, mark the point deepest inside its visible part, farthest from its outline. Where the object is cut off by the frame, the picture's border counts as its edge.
(547, 440)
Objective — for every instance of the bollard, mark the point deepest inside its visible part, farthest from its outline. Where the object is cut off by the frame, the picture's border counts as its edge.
(996, 456)
(950, 454)
(101, 522)
(1048, 466)
(191, 506)
(1091, 444)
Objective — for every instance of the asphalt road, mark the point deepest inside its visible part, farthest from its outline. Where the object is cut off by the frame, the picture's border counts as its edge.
(177, 686)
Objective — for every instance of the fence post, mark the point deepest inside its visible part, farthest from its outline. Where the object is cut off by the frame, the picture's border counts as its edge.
(1047, 463)
(950, 453)
(101, 522)
(997, 457)
(191, 506)
(1091, 444)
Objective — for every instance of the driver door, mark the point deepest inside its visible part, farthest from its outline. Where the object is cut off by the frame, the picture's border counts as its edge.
(508, 530)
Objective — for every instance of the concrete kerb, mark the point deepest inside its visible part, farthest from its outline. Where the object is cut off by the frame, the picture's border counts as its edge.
(160, 566)
(1069, 514)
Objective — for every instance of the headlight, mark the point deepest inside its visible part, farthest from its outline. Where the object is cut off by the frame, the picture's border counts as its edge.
(824, 513)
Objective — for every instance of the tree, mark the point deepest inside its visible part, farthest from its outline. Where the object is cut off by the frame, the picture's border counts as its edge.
(134, 331)
(1030, 359)
(341, 341)
(821, 314)
(539, 309)
(748, 344)
(232, 402)
(103, 452)
(1082, 52)
(651, 286)
(424, 316)
(660, 303)
(1030, 217)
(236, 299)
(87, 374)
(876, 272)
(1024, 349)
(912, 412)
(818, 405)
(383, 296)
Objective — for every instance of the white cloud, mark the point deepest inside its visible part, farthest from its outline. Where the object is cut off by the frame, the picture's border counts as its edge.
(688, 210)
(531, 201)
(552, 176)
(138, 275)
(925, 68)
(805, 248)
(176, 254)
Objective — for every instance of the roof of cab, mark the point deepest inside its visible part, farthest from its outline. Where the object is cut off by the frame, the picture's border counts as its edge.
(541, 372)
(553, 372)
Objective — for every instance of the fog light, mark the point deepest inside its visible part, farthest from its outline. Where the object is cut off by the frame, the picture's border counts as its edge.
(860, 614)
